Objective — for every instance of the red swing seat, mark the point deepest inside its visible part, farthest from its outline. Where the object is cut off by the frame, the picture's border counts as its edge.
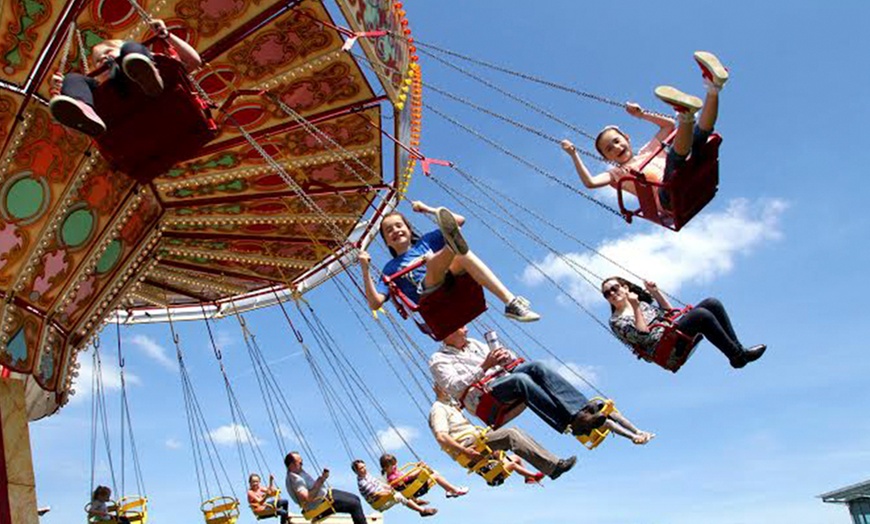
(675, 347)
(453, 305)
(145, 136)
(478, 399)
(693, 186)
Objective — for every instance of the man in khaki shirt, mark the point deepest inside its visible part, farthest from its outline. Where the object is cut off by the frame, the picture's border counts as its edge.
(457, 435)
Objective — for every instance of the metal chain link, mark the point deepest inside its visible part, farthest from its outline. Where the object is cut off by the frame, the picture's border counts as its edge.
(525, 162)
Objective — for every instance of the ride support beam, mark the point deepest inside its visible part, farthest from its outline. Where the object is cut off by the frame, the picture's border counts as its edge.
(288, 194)
(17, 482)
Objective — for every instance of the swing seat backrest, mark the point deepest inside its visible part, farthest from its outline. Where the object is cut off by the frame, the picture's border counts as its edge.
(145, 136)
(416, 480)
(478, 399)
(675, 347)
(383, 503)
(692, 187)
(453, 305)
(324, 509)
(220, 510)
(134, 508)
(595, 437)
(492, 467)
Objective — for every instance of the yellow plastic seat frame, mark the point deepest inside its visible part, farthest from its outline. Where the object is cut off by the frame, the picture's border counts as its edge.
(221, 510)
(134, 508)
(492, 467)
(384, 502)
(595, 437)
(416, 480)
(271, 507)
(113, 514)
(324, 509)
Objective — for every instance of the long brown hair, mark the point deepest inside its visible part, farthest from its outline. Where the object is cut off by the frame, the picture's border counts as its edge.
(642, 294)
(414, 235)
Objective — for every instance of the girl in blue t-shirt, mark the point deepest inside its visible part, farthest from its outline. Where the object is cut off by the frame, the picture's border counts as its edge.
(447, 255)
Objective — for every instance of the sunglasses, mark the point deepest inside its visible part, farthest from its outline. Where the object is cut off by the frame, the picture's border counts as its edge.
(609, 291)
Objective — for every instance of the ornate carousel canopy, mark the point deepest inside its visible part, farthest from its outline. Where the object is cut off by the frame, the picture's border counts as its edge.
(293, 179)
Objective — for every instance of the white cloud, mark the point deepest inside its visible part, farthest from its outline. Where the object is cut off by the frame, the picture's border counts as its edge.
(111, 377)
(154, 351)
(570, 371)
(173, 443)
(700, 252)
(224, 339)
(233, 433)
(287, 432)
(391, 438)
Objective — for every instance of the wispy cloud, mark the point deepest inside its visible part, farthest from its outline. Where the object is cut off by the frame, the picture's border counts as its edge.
(702, 251)
(154, 351)
(233, 433)
(173, 443)
(391, 438)
(111, 377)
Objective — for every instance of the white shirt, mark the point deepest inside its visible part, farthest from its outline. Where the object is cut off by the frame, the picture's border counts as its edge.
(445, 417)
(456, 369)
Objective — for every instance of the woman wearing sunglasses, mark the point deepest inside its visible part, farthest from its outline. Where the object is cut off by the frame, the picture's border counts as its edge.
(636, 321)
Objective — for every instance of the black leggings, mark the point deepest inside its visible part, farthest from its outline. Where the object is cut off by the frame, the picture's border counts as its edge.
(710, 319)
(82, 87)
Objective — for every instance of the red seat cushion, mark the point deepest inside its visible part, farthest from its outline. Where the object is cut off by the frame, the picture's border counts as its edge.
(450, 307)
(145, 136)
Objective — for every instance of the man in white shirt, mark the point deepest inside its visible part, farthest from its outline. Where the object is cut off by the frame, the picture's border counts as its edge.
(461, 362)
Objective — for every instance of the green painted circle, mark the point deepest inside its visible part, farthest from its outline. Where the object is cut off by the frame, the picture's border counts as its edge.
(77, 227)
(110, 257)
(25, 198)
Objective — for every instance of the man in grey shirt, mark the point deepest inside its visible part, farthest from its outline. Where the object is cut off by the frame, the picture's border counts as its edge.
(308, 492)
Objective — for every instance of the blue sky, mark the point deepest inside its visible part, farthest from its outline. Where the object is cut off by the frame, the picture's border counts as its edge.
(780, 246)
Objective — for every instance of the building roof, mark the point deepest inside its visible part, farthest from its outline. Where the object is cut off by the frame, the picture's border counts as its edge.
(848, 494)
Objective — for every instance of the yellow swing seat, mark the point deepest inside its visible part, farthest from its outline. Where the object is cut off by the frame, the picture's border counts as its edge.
(221, 510)
(492, 467)
(134, 508)
(416, 480)
(324, 509)
(384, 502)
(595, 437)
(271, 509)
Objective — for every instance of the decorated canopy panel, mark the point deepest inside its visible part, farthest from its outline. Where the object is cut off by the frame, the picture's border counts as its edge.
(296, 166)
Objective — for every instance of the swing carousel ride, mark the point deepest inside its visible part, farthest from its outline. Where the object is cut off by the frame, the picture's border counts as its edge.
(245, 184)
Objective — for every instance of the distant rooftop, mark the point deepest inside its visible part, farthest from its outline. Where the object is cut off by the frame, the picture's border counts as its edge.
(849, 493)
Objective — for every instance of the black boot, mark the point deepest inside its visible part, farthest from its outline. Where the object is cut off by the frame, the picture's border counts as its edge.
(748, 355)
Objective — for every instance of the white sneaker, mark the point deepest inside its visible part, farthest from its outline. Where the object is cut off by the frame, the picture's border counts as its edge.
(712, 68)
(518, 309)
(681, 102)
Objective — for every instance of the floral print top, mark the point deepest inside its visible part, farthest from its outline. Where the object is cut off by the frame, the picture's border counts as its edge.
(624, 328)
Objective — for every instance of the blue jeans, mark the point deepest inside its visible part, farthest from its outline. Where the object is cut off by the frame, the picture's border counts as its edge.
(674, 161)
(543, 390)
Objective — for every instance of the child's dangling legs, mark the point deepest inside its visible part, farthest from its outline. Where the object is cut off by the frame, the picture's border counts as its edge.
(452, 491)
(458, 259)
(74, 106)
(137, 63)
(686, 106)
(715, 76)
